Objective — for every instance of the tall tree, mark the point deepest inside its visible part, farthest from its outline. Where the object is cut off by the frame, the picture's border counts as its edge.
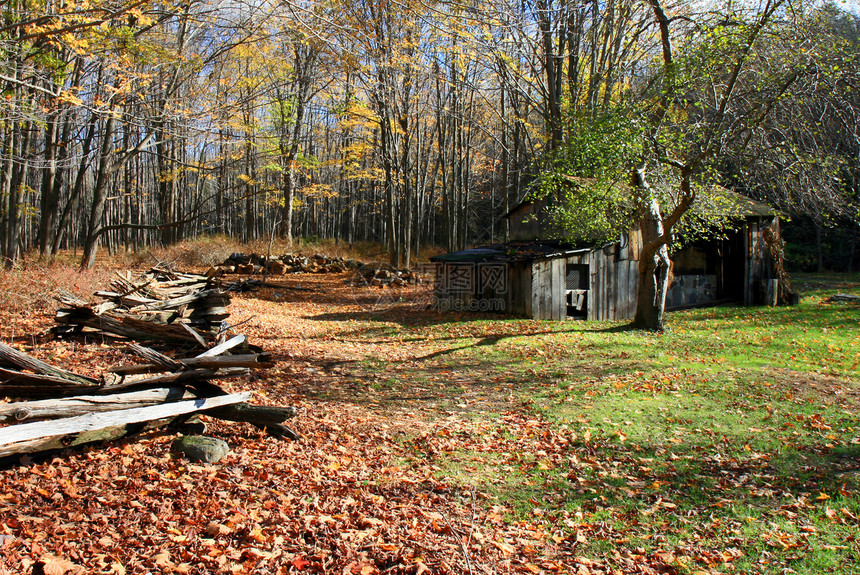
(723, 83)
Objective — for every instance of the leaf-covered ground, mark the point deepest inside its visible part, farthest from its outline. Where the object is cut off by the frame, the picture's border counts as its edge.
(436, 443)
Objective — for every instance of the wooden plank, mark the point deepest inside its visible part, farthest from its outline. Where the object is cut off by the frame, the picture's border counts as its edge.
(8, 375)
(14, 437)
(125, 326)
(623, 295)
(126, 299)
(507, 295)
(591, 298)
(22, 360)
(600, 279)
(619, 296)
(223, 347)
(66, 441)
(180, 301)
(547, 291)
(608, 287)
(203, 343)
(248, 360)
(190, 377)
(35, 386)
(559, 266)
(166, 363)
(597, 290)
(611, 286)
(82, 404)
(632, 287)
(552, 285)
(516, 304)
(528, 279)
(543, 291)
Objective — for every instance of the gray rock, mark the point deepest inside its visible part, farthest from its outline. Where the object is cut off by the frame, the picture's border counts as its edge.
(201, 448)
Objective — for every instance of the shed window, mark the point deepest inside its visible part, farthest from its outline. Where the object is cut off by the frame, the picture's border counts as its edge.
(576, 277)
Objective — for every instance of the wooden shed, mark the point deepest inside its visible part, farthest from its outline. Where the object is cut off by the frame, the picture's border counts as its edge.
(545, 279)
(540, 280)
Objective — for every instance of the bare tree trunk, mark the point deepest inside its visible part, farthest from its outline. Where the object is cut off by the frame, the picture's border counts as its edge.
(20, 171)
(94, 225)
(6, 190)
(654, 262)
(77, 187)
(289, 188)
(49, 194)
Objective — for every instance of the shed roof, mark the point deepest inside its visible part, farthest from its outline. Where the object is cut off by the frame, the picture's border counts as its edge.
(750, 207)
(510, 252)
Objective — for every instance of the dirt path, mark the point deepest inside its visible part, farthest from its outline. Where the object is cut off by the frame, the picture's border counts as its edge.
(339, 343)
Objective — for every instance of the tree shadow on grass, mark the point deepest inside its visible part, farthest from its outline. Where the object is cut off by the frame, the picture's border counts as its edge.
(646, 491)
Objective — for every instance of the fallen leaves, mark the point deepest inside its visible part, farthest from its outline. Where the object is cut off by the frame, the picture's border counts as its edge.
(51, 565)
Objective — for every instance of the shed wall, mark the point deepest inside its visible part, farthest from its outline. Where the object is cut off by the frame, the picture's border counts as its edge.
(757, 266)
(614, 281)
(548, 293)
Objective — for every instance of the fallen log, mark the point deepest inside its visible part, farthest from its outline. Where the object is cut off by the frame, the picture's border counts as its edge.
(191, 377)
(248, 360)
(10, 355)
(843, 298)
(83, 404)
(83, 438)
(270, 419)
(36, 386)
(31, 437)
(231, 343)
(126, 326)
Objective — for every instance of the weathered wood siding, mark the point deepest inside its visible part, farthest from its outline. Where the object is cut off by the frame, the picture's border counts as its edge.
(757, 265)
(543, 286)
(523, 223)
(612, 290)
(538, 288)
(547, 295)
(520, 289)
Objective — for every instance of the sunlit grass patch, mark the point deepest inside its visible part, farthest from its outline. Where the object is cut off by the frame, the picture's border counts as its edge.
(730, 443)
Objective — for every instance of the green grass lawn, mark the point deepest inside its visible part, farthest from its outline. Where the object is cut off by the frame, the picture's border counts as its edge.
(729, 444)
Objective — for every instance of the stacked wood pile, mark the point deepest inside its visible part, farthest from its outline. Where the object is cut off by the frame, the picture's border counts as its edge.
(286, 264)
(385, 276)
(52, 408)
(251, 284)
(159, 306)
